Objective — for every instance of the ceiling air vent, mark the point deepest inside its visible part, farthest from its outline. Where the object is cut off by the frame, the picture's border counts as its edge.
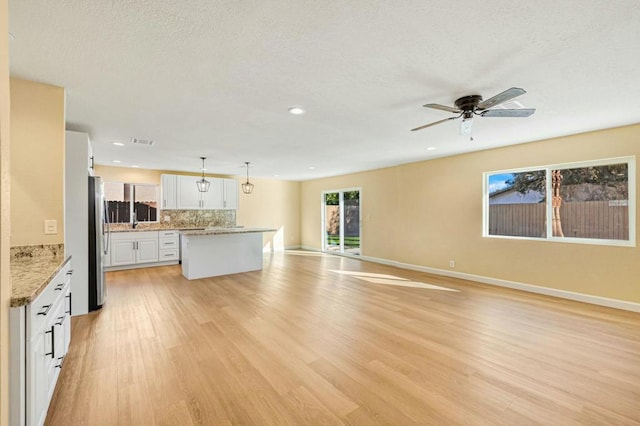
(143, 142)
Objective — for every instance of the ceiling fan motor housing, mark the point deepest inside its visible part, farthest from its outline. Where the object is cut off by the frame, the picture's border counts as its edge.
(468, 104)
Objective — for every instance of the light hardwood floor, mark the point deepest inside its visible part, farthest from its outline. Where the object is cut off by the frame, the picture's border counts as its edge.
(298, 343)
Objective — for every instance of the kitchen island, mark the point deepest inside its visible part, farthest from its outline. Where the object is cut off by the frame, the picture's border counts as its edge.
(221, 251)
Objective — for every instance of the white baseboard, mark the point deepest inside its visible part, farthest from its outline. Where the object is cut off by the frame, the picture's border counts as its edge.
(140, 265)
(580, 297)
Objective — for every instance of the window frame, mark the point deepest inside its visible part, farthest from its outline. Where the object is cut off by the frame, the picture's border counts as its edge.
(133, 201)
(631, 188)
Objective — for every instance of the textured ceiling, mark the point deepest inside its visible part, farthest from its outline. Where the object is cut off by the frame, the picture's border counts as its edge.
(215, 78)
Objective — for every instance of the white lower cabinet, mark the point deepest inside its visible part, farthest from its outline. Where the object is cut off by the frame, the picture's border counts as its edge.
(129, 248)
(40, 336)
(169, 245)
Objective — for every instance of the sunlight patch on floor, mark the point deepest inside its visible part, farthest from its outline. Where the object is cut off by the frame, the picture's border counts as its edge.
(391, 280)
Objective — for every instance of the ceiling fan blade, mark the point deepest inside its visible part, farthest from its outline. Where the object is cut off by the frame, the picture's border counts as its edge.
(443, 108)
(501, 97)
(434, 123)
(522, 112)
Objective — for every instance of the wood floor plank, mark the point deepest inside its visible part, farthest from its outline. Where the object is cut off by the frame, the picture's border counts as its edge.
(302, 343)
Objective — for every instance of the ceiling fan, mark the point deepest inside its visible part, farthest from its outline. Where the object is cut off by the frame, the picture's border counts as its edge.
(468, 106)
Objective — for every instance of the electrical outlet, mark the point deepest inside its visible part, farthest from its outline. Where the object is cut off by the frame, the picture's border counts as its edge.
(167, 218)
(452, 264)
(50, 226)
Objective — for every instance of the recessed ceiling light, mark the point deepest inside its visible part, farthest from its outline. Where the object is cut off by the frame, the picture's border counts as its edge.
(135, 166)
(296, 110)
(118, 144)
(311, 168)
(116, 161)
(431, 148)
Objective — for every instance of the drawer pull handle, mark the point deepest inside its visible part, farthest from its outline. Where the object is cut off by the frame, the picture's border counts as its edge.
(60, 364)
(46, 311)
(59, 287)
(53, 342)
(169, 255)
(60, 321)
(69, 311)
(169, 243)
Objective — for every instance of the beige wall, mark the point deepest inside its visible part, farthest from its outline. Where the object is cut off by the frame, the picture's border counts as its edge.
(37, 161)
(430, 212)
(5, 225)
(273, 203)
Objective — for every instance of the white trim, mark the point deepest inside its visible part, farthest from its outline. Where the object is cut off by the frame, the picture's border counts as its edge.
(140, 265)
(531, 288)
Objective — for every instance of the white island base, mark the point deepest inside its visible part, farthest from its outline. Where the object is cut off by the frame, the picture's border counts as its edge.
(215, 254)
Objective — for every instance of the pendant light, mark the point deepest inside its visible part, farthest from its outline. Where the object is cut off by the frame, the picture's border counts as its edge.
(203, 184)
(247, 187)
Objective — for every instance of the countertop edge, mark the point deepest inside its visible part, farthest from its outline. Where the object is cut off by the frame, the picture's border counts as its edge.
(225, 231)
(19, 301)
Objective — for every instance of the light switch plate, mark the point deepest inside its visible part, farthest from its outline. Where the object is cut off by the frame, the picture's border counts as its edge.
(50, 226)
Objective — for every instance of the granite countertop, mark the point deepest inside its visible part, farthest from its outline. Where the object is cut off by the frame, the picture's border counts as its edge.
(222, 230)
(31, 272)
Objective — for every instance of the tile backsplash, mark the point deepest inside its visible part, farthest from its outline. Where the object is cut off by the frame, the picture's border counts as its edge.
(186, 219)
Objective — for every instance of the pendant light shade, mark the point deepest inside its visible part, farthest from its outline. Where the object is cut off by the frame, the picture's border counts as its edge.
(203, 184)
(247, 187)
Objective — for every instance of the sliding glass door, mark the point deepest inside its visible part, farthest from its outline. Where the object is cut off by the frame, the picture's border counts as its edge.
(341, 221)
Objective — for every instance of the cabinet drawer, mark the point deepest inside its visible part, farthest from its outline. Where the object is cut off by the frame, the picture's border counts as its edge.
(134, 235)
(42, 308)
(168, 234)
(170, 254)
(168, 243)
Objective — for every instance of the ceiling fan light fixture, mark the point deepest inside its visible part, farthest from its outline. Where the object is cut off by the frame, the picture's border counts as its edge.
(466, 126)
(247, 187)
(203, 184)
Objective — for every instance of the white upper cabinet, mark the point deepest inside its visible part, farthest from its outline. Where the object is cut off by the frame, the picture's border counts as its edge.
(188, 196)
(230, 194)
(181, 192)
(90, 159)
(213, 199)
(168, 188)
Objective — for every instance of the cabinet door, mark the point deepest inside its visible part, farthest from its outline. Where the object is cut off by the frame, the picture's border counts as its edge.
(147, 251)
(59, 340)
(214, 198)
(188, 196)
(231, 194)
(168, 189)
(123, 252)
(38, 363)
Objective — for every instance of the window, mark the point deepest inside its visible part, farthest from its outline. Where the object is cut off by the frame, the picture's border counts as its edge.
(129, 202)
(591, 202)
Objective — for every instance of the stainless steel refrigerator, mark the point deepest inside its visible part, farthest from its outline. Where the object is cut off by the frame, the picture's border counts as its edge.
(99, 234)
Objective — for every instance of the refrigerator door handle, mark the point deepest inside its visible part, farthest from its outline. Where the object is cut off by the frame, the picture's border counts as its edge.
(106, 230)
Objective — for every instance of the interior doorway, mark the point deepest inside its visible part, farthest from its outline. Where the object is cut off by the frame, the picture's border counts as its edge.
(341, 221)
